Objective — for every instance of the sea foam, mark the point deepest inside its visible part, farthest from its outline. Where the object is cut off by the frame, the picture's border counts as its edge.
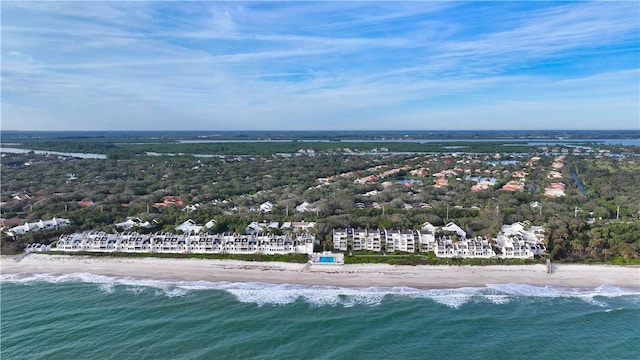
(320, 295)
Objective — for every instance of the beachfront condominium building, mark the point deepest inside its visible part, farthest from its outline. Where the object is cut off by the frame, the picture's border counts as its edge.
(400, 240)
(521, 241)
(341, 238)
(380, 240)
(359, 239)
(426, 240)
(449, 247)
(184, 244)
(373, 241)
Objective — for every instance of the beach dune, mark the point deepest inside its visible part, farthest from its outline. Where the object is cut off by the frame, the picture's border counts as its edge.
(362, 275)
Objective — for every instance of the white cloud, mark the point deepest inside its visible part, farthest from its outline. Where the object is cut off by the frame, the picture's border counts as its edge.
(317, 65)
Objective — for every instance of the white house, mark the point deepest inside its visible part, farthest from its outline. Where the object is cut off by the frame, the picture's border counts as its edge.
(455, 228)
(22, 229)
(53, 223)
(253, 228)
(428, 227)
(211, 223)
(129, 223)
(303, 226)
(257, 227)
(191, 208)
(305, 206)
(132, 222)
(189, 227)
(266, 206)
(41, 225)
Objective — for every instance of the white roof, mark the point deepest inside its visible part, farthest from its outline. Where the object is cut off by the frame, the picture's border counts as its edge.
(189, 226)
(455, 228)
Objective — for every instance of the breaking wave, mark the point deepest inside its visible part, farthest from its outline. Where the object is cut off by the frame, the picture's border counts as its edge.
(319, 295)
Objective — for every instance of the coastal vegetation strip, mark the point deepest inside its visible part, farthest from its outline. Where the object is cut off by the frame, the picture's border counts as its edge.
(431, 259)
(390, 259)
(290, 258)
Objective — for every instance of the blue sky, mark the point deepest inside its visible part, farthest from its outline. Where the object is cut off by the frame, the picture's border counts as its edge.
(418, 65)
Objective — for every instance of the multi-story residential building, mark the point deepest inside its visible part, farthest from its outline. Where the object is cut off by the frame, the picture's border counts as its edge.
(195, 243)
(392, 240)
(359, 239)
(426, 241)
(407, 241)
(520, 243)
(480, 247)
(341, 238)
(521, 239)
(374, 240)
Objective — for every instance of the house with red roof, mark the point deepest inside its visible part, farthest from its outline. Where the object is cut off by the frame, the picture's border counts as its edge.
(85, 203)
(169, 200)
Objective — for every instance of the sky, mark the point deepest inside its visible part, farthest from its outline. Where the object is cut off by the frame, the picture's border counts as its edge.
(279, 65)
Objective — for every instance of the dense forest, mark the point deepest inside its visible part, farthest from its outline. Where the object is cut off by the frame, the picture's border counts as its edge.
(595, 219)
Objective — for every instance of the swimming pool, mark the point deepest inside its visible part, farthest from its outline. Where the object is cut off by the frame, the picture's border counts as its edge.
(326, 259)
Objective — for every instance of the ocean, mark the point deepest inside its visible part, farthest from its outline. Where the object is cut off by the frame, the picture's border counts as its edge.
(85, 316)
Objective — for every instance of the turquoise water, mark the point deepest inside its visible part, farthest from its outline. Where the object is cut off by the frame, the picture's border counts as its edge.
(326, 259)
(84, 316)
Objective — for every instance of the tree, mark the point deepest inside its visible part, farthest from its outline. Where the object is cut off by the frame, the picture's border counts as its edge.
(577, 246)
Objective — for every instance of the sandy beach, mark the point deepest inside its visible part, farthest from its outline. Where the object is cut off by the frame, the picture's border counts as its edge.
(362, 275)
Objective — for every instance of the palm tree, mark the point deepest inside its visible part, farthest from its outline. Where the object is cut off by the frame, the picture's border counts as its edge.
(595, 245)
(577, 246)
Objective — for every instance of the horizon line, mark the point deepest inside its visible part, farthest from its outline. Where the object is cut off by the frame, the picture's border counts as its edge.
(316, 130)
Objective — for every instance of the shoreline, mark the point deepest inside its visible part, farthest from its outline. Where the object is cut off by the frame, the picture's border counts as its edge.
(355, 276)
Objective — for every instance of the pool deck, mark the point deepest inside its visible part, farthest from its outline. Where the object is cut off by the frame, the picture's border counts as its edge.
(321, 258)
